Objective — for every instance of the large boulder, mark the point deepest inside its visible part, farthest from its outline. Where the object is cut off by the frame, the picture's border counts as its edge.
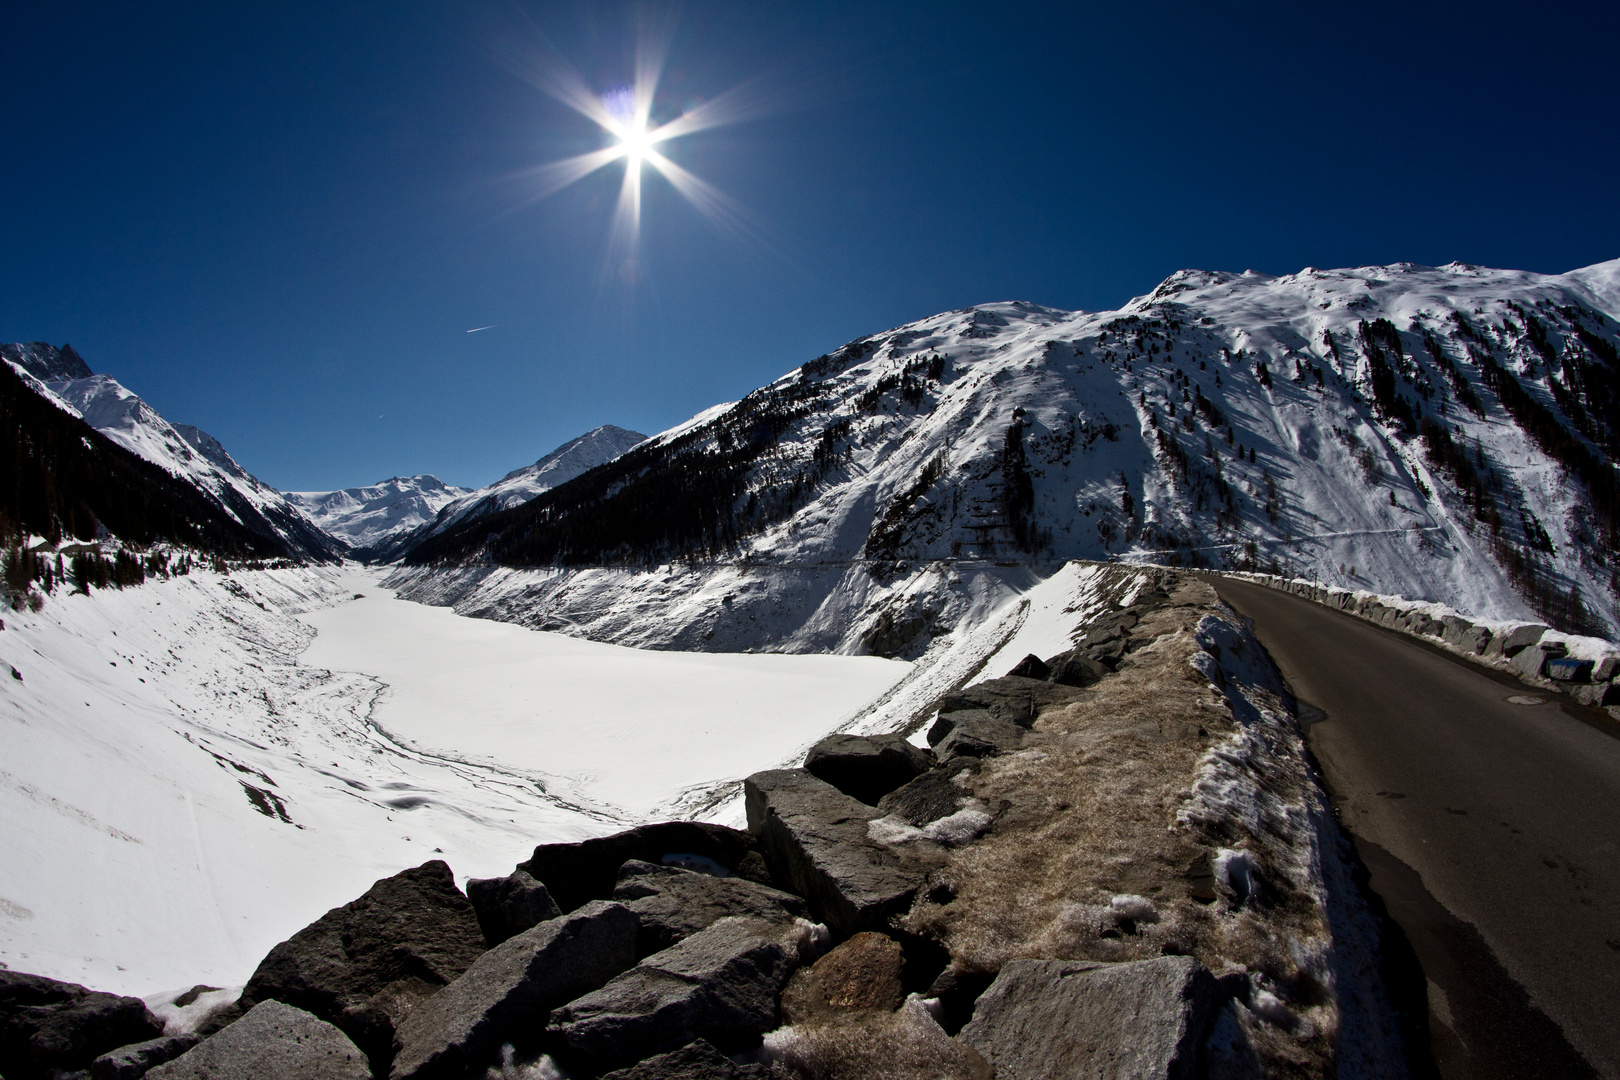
(1463, 635)
(1077, 669)
(134, 1061)
(937, 793)
(862, 973)
(1532, 660)
(507, 993)
(817, 842)
(1060, 1018)
(1508, 640)
(1011, 698)
(867, 767)
(975, 733)
(672, 903)
(365, 965)
(697, 1060)
(274, 1041)
(1032, 667)
(509, 905)
(48, 1026)
(584, 871)
(720, 984)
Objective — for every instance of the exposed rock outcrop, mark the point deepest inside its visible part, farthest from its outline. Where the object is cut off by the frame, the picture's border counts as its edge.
(48, 1026)
(274, 1041)
(505, 995)
(365, 965)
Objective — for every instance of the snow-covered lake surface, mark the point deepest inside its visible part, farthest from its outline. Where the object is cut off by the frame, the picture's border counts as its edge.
(626, 730)
(189, 773)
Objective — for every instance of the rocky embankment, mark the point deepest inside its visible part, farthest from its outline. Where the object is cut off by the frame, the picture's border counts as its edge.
(1114, 861)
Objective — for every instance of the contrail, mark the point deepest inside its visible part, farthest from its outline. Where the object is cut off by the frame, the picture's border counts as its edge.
(475, 329)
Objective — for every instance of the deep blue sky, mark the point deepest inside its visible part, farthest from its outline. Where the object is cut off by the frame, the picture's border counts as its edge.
(278, 221)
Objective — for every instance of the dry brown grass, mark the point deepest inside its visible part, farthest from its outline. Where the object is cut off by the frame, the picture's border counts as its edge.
(1087, 812)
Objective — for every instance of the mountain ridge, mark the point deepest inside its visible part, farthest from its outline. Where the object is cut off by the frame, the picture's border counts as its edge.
(1447, 433)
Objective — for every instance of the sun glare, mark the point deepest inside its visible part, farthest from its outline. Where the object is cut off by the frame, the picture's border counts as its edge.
(624, 113)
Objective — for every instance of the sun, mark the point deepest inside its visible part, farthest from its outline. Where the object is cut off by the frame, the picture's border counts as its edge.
(624, 114)
(637, 142)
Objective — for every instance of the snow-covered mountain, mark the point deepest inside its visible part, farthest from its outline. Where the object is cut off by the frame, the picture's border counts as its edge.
(1442, 433)
(364, 517)
(573, 458)
(183, 450)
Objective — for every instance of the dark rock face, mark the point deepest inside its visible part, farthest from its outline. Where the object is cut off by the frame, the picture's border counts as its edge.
(1012, 698)
(1077, 669)
(506, 994)
(974, 733)
(933, 795)
(365, 965)
(1048, 1018)
(673, 904)
(720, 984)
(132, 1062)
(862, 973)
(697, 1060)
(273, 1041)
(867, 767)
(815, 839)
(1031, 667)
(576, 873)
(509, 905)
(47, 1025)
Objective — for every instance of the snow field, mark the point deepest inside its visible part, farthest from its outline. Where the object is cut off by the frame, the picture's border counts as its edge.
(621, 728)
(182, 788)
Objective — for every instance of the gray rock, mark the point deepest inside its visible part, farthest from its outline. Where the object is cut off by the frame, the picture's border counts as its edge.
(1532, 660)
(510, 905)
(507, 993)
(1464, 636)
(974, 733)
(697, 1060)
(933, 795)
(365, 965)
(867, 767)
(815, 839)
(1077, 669)
(1606, 668)
(672, 903)
(1596, 694)
(1508, 641)
(132, 1062)
(720, 984)
(1031, 667)
(1108, 653)
(274, 1041)
(1568, 669)
(1010, 698)
(588, 870)
(48, 1026)
(1046, 1019)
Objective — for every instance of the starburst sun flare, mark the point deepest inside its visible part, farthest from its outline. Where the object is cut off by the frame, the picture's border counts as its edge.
(624, 114)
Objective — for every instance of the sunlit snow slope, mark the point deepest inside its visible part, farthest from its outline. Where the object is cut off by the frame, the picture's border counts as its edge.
(185, 451)
(1441, 433)
(183, 785)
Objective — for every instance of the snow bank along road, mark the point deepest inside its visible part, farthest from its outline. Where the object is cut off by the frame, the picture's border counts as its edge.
(185, 780)
(1490, 819)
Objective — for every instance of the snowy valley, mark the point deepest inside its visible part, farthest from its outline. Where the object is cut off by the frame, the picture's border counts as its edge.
(238, 737)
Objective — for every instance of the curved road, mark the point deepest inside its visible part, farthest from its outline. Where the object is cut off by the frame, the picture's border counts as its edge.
(1489, 816)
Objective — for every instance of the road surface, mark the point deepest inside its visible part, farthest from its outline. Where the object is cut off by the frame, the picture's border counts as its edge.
(1489, 816)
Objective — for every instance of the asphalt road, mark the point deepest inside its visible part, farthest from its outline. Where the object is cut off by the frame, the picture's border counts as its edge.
(1491, 828)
